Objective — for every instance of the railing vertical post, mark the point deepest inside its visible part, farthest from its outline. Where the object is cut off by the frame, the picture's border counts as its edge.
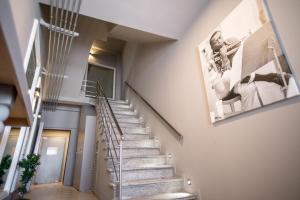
(109, 141)
(120, 169)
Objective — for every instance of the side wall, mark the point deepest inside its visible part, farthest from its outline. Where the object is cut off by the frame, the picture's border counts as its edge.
(85, 150)
(65, 118)
(252, 156)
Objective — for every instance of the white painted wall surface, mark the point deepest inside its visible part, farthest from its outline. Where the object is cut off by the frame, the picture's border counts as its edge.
(89, 30)
(252, 156)
(24, 12)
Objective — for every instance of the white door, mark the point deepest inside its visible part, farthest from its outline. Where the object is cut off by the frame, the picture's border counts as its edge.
(52, 157)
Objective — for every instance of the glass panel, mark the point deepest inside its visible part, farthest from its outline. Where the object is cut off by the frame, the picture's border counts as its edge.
(9, 150)
(31, 67)
(104, 75)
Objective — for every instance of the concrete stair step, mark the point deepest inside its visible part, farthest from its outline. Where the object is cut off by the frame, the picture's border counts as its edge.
(124, 114)
(119, 102)
(122, 108)
(167, 196)
(145, 172)
(132, 136)
(116, 105)
(149, 187)
(129, 125)
(130, 120)
(141, 151)
(140, 161)
(136, 130)
(137, 143)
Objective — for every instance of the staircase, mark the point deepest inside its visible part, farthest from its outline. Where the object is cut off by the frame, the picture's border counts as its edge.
(145, 172)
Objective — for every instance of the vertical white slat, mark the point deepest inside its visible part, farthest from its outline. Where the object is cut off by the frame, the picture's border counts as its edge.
(4, 140)
(30, 44)
(39, 138)
(34, 84)
(15, 160)
(33, 127)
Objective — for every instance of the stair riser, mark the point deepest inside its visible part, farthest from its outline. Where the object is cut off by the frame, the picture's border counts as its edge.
(132, 136)
(121, 106)
(118, 102)
(118, 109)
(138, 144)
(128, 120)
(139, 162)
(135, 130)
(136, 136)
(129, 125)
(122, 113)
(151, 189)
(137, 152)
(145, 174)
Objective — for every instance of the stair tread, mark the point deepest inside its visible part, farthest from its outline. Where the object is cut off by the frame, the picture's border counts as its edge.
(135, 140)
(134, 133)
(145, 167)
(151, 181)
(134, 148)
(148, 181)
(145, 156)
(171, 195)
(118, 101)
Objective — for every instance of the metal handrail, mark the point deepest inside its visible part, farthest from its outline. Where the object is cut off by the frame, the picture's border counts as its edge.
(99, 86)
(106, 120)
(180, 137)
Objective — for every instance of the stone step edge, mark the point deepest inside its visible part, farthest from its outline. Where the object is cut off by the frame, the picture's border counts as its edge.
(143, 168)
(131, 140)
(133, 133)
(139, 157)
(147, 182)
(160, 196)
(105, 148)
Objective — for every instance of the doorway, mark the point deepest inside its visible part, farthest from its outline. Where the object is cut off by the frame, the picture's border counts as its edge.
(106, 75)
(53, 151)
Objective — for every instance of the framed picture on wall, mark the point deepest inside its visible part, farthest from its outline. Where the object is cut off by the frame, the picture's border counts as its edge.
(243, 64)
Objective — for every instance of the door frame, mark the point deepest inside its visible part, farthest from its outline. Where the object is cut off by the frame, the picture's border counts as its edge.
(107, 67)
(66, 149)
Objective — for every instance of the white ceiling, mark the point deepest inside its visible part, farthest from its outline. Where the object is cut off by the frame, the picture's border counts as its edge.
(167, 19)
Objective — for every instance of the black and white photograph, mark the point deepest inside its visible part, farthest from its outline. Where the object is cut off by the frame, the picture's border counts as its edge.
(243, 63)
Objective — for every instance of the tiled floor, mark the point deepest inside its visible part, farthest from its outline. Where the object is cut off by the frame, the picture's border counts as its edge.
(57, 191)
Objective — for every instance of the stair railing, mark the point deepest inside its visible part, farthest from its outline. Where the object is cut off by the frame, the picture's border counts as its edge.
(109, 127)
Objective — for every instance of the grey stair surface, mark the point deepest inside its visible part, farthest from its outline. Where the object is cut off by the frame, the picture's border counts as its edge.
(145, 174)
(138, 143)
(175, 195)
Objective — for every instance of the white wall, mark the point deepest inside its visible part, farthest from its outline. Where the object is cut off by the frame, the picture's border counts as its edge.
(130, 52)
(89, 30)
(145, 15)
(252, 156)
(24, 13)
(16, 22)
(65, 118)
